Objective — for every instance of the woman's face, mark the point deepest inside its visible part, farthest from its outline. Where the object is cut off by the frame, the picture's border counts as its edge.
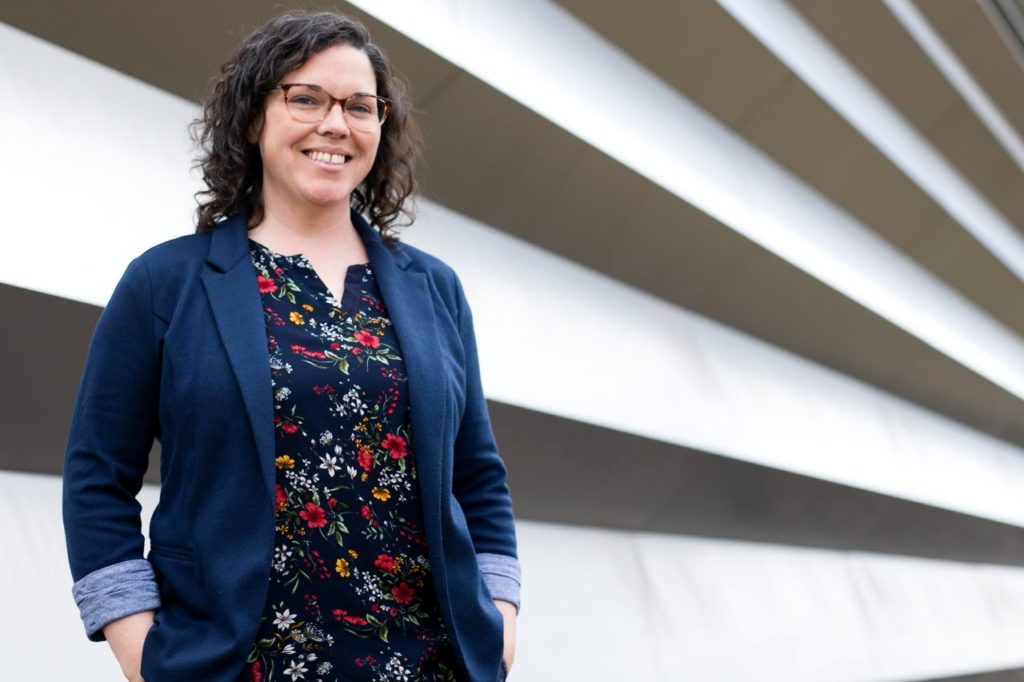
(292, 177)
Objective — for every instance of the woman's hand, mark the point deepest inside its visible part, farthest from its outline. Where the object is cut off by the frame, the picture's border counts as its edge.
(508, 613)
(126, 636)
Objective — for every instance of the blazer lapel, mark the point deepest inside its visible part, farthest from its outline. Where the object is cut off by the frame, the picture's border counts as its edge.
(411, 309)
(234, 298)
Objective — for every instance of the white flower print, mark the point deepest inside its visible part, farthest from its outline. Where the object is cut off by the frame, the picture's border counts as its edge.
(314, 633)
(281, 556)
(282, 394)
(283, 620)
(352, 404)
(396, 671)
(297, 670)
(330, 464)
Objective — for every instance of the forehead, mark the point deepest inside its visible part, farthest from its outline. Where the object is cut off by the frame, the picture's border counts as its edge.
(339, 69)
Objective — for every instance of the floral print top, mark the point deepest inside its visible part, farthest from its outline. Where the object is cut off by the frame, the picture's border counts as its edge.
(350, 593)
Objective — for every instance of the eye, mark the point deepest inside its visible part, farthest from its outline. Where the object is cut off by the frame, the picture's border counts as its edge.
(304, 101)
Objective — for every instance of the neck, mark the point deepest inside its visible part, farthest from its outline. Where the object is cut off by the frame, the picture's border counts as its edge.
(300, 228)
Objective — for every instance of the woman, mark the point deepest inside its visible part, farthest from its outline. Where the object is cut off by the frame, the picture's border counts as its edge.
(333, 506)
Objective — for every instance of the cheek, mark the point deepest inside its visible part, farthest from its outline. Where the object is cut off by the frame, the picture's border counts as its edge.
(372, 155)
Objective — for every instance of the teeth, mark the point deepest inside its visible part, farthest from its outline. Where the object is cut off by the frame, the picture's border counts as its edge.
(335, 159)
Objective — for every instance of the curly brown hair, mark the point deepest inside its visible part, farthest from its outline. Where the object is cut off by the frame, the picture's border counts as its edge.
(231, 165)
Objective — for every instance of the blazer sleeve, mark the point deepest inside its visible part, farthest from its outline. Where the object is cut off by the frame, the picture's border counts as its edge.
(480, 480)
(112, 430)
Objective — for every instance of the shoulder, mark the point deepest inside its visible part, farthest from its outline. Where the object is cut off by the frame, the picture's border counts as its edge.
(422, 261)
(175, 253)
(168, 271)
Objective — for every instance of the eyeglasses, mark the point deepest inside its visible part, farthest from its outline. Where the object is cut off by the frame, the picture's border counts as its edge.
(307, 103)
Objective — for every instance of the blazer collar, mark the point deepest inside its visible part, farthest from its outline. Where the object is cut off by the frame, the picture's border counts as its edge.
(230, 244)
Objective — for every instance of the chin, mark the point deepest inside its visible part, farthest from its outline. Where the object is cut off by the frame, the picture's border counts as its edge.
(328, 199)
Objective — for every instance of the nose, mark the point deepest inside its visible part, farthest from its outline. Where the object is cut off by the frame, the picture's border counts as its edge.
(334, 122)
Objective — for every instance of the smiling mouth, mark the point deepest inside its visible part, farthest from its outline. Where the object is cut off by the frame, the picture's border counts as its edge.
(331, 159)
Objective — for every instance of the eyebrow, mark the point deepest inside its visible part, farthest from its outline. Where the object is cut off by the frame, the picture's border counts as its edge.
(322, 89)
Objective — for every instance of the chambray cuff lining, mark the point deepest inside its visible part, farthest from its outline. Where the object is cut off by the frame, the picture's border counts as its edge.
(502, 575)
(113, 592)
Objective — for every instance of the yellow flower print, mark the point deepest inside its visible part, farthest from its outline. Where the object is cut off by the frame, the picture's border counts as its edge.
(341, 566)
(354, 554)
(284, 462)
(296, 317)
(363, 476)
(382, 494)
(308, 307)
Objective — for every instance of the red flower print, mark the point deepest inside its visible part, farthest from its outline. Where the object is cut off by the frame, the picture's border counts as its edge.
(289, 428)
(342, 615)
(266, 285)
(257, 674)
(280, 499)
(332, 502)
(314, 516)
(365, 512)
(384, 562)
(395, 445)
(367, 339)
(296, 348)
(335, 346)
(278, 271)
(402, 593)
(357, 351)
(365, 459)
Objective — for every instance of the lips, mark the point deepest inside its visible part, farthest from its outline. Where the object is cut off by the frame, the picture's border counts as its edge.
(327, 157)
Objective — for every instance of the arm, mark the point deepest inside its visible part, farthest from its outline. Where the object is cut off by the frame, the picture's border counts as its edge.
(125, 636)
(480, 484)
(112, 431)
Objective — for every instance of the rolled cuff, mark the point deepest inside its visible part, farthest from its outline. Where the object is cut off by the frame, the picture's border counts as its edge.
(502, 576)
(114, 592)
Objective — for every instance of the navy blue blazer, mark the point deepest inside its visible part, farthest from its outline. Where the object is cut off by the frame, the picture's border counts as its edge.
(180, 355)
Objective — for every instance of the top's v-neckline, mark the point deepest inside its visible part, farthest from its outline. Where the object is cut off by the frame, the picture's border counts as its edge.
(349, 285)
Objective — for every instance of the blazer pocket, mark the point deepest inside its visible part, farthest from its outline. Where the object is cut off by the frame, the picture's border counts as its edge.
(171, 551)
(182, 592)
